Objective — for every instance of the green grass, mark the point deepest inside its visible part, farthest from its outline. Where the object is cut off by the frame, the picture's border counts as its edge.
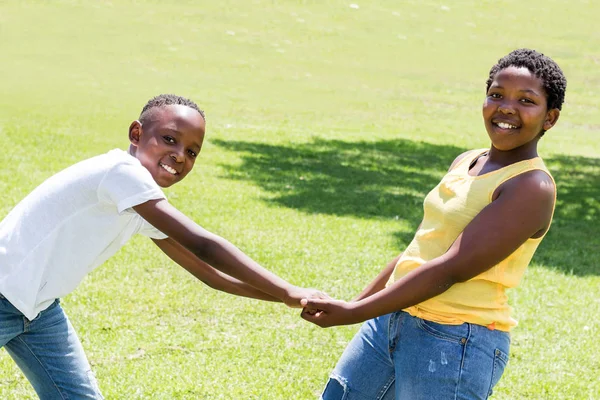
(327, 125)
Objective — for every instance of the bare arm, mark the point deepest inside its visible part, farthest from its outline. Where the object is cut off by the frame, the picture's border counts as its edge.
(218, 252)
(379, 282)
(523, 209)
(207, 274)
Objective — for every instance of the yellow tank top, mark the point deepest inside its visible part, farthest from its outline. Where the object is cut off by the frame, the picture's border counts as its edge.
(448, 209)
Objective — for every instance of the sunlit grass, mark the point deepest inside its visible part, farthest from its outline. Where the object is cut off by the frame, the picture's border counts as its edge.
(326, 127)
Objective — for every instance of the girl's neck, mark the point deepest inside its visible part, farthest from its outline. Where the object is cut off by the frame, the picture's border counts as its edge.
(525, 152)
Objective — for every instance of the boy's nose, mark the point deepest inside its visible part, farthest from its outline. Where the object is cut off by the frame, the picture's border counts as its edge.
(177, 156)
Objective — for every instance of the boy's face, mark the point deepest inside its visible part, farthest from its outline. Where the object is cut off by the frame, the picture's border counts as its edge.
(515, 110)
(168, 142)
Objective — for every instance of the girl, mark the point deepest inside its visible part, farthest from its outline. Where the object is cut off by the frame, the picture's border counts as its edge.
(438, 318)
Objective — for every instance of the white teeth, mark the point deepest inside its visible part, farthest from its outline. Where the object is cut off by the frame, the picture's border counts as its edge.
(504, 125)
(168, 169)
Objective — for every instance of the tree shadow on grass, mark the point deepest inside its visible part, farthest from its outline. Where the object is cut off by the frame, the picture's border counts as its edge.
(573, 244)
(389, 179)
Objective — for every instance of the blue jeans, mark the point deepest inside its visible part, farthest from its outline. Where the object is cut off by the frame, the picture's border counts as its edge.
(398, 356)
(48, 352)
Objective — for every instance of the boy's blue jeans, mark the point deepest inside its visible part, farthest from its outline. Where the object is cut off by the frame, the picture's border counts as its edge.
(401, 357)
(48, 352)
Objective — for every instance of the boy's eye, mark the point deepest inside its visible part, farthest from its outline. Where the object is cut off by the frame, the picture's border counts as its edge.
(169, 139)
(494, 95)
(192, 153)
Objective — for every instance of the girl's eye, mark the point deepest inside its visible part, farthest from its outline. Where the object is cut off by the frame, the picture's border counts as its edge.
(494, 95)
(527, 101)
(169, 139)
(192, 153)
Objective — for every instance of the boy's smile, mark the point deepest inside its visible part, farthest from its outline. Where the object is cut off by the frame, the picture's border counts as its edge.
(515, 109)
(168, 142)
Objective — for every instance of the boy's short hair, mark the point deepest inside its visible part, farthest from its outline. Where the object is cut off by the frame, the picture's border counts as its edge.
(553, 79)
(166, 100)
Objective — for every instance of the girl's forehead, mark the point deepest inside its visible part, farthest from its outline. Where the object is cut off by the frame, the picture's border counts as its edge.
(520, 77)
(518, 74)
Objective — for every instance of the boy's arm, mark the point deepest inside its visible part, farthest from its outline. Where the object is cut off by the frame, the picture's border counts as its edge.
(219, 253)
(207, 274)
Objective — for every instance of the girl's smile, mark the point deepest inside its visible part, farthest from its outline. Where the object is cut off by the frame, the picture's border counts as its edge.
(515, 110)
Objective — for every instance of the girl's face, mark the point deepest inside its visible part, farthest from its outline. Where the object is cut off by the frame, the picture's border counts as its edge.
(515, 110)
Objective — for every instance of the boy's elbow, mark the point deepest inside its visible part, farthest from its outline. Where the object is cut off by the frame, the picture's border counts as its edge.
(205, 249)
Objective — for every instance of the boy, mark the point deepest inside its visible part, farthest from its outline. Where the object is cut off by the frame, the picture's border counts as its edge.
(81, 216)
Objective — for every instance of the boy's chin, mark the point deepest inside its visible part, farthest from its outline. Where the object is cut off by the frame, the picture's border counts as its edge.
(164, 183)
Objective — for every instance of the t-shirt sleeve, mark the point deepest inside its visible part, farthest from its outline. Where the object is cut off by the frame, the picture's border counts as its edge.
(150, 231)
(128, 184)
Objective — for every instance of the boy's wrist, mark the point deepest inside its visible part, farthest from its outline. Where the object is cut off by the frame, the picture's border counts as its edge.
(288, 296)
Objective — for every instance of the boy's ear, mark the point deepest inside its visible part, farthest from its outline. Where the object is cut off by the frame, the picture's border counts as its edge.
(135, 132)
(551, 118)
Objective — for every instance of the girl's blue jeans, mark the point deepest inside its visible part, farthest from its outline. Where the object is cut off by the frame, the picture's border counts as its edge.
(401, 357)
(48, 352)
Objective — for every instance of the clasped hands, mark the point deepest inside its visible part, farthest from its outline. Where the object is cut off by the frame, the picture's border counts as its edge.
(321, 309)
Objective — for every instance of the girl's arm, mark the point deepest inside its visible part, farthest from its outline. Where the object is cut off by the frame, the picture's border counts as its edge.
(379, 282)
(207, 274)
(219, 253)
(522, 210)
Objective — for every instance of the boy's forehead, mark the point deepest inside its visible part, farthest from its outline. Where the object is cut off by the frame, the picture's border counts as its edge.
(176, 112)
(176, 116)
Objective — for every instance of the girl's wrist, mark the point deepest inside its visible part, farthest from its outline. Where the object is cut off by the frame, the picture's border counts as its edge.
(357, 311)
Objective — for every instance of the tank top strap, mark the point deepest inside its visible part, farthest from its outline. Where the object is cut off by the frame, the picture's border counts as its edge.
(468, 158)
(522, 167)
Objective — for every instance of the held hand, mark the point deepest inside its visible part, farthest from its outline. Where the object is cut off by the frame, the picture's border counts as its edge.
(296, 294)
(330, 312)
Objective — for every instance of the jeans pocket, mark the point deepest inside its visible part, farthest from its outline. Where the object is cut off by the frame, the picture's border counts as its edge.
(500, 361)
(452, 333)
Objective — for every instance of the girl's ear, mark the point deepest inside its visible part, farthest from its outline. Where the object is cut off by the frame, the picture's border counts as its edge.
(551, 118)
(135, 132)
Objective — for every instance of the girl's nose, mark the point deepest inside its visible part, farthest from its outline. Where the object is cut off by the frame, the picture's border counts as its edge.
(506, 108)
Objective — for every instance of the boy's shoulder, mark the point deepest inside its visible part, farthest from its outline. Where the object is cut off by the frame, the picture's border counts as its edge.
(117, 156)
(114, 165)
(106, 162)
(117, 165)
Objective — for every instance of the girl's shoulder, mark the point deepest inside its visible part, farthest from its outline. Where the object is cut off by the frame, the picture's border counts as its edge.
(465, 156)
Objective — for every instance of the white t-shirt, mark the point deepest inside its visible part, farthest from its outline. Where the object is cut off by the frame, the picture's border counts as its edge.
(69, 225)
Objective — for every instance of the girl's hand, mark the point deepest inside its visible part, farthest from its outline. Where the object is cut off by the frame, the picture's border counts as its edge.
(326, 313)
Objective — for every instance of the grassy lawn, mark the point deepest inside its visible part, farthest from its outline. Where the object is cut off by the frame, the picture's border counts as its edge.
(327, 125)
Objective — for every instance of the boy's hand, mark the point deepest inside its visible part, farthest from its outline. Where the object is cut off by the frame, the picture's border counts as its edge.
(329, 312)
(296, 294)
